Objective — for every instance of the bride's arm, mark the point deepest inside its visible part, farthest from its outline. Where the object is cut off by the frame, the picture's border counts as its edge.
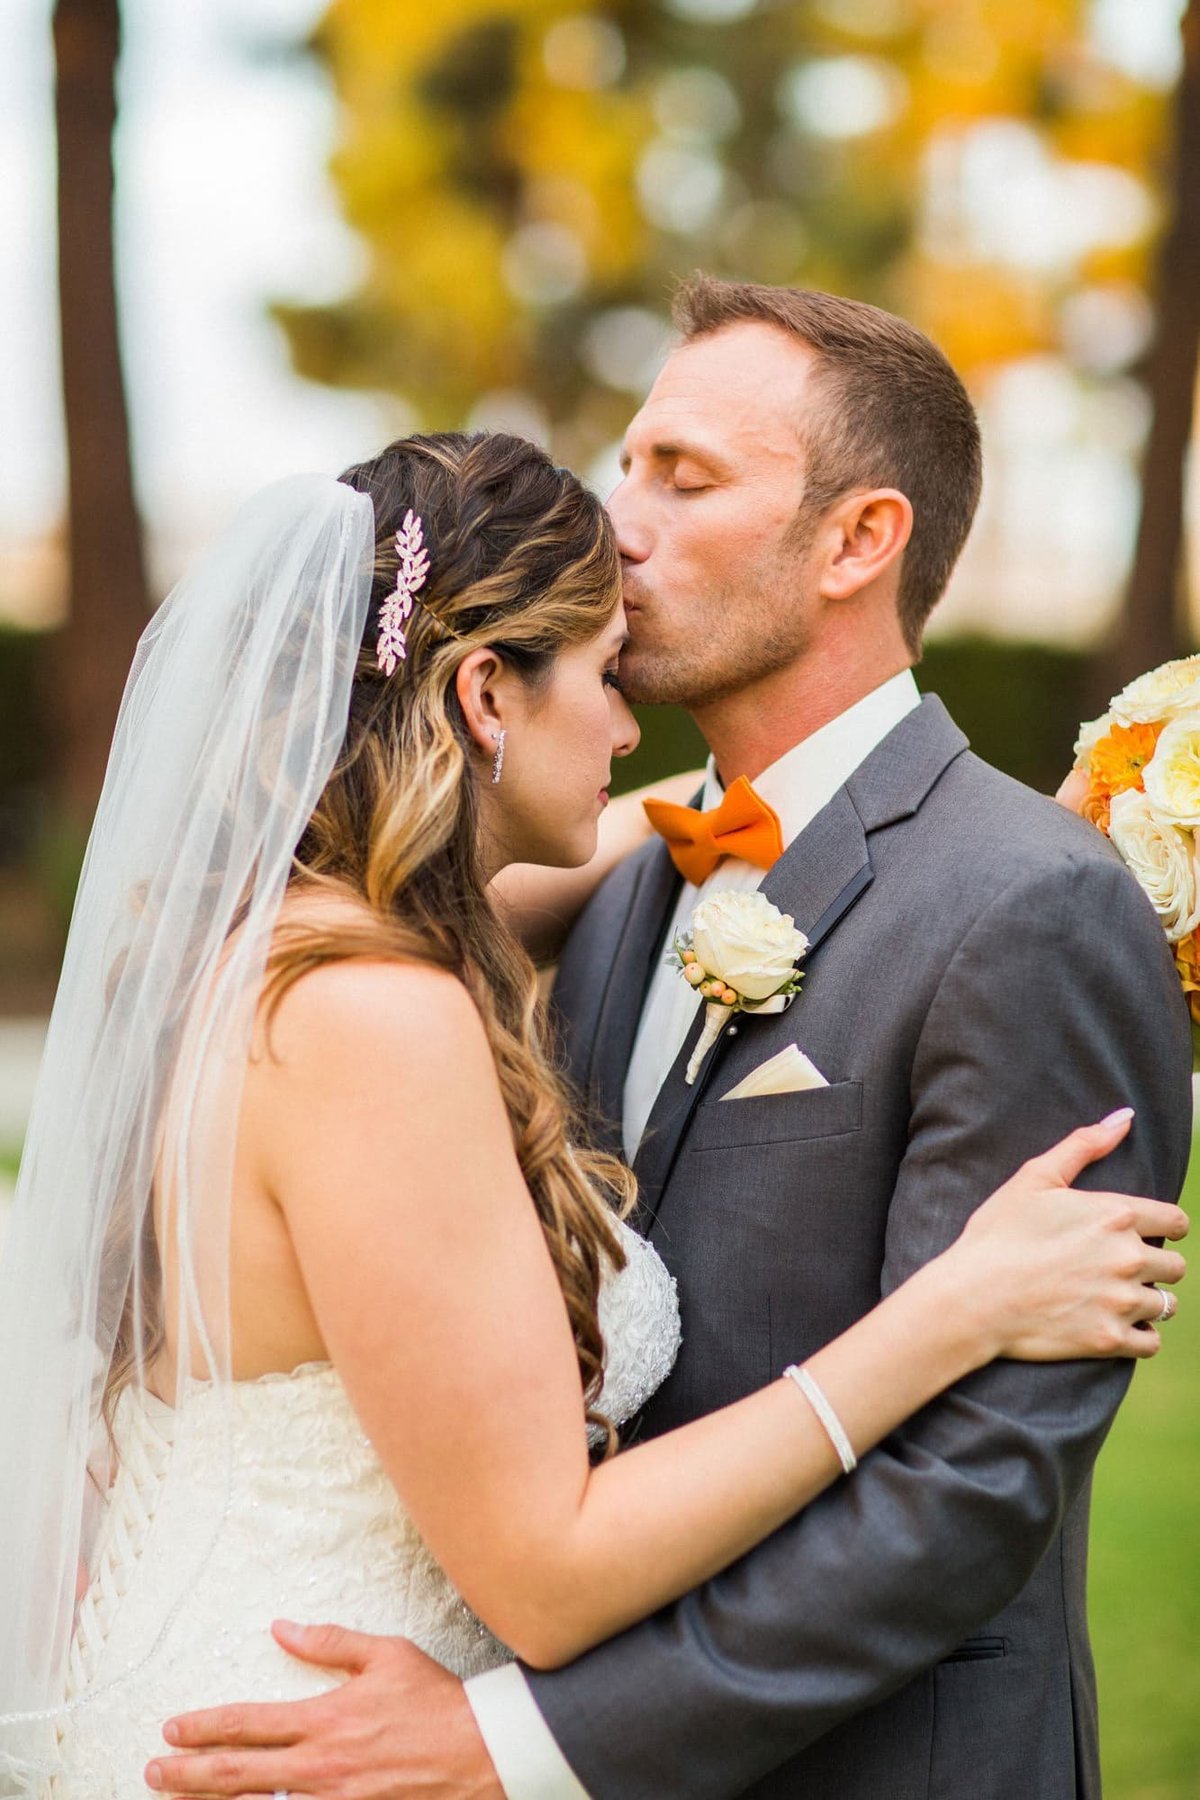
(390, 1152)
(541, 904)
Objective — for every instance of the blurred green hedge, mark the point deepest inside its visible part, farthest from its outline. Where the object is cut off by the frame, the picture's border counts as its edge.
(1020, 705)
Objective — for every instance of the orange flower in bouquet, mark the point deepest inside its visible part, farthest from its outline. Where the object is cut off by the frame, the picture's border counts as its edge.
(1137, 778)
(1187, 961)
(1116, 764)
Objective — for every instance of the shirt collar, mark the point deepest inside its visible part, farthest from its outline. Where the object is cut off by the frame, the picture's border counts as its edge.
(805, 778)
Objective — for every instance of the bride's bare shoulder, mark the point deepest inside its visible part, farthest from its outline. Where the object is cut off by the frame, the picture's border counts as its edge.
(374, 1004)
(357, 1006)
(366, 1066)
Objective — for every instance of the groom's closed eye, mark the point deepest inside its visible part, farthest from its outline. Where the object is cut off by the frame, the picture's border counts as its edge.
(693, 460)
(689, 471)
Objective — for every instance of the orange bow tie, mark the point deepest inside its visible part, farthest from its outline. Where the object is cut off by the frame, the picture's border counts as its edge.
(742, 825)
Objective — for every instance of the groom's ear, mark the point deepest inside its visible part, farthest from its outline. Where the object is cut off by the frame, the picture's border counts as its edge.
(481, 683)
(866, 535)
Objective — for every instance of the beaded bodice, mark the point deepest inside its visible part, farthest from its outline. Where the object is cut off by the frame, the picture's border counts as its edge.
(308, 1527)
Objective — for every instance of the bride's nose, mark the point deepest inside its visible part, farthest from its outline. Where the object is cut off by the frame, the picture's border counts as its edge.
(627, 733)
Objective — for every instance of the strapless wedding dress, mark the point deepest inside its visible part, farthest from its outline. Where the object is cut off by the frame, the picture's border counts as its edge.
(308, 1528)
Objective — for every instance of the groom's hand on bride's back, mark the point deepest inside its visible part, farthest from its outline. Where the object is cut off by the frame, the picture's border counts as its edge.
(399, 1726)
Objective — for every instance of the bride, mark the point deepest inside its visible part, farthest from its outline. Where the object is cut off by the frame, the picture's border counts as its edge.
(315, 1300)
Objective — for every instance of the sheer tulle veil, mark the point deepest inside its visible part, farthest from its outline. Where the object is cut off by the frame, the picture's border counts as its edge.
(233, 717)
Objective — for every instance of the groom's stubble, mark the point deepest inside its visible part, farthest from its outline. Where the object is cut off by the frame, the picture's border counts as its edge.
(726, 638)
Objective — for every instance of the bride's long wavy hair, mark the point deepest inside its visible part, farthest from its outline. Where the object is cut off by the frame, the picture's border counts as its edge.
(522, 559)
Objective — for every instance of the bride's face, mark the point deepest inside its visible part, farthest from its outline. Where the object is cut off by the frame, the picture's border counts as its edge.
(560, 741)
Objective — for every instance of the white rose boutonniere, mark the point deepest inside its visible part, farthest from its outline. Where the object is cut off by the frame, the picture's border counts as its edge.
(740, 954)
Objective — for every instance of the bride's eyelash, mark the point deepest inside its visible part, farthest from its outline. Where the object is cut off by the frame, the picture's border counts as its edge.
(613, 680)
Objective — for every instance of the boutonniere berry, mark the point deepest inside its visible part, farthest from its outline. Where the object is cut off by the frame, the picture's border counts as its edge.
(740, 954)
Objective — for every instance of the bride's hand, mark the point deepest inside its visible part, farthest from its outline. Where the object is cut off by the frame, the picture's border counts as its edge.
(1064, 1273)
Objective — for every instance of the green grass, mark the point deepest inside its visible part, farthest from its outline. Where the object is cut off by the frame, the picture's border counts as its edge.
(1145, 1567)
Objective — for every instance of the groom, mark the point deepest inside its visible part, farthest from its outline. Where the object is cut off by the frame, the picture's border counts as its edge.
(983, 976)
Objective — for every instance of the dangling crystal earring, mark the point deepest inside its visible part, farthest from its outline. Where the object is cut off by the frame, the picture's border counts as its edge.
(498, 759)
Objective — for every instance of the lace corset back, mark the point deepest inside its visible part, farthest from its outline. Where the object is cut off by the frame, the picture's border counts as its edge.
(310, 1529)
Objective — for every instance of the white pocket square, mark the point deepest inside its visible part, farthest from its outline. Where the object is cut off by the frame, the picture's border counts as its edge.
(790, 1072)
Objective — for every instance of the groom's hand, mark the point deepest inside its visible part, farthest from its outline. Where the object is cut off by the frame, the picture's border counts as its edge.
(399, 1726)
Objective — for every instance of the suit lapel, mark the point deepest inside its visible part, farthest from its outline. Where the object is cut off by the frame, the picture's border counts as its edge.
(823, 873)
(890, 784)
(673, 1107)
(629, 971)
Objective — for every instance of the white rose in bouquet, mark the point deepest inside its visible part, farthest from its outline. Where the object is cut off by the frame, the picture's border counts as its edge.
(1162, 856)
(1139, 783)
(1163, 693)
(1172, 776)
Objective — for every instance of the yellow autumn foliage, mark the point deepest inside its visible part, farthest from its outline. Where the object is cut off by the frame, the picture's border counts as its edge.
(491, 157)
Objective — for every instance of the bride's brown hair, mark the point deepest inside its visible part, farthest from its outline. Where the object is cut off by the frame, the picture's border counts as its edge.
(522, 559)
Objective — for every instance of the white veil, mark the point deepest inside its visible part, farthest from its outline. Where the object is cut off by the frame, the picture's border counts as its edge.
(233, 716)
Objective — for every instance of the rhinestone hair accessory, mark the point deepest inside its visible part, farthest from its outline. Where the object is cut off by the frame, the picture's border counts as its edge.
(396, 610)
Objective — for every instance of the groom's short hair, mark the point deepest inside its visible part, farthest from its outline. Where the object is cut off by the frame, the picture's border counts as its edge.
(894, 414)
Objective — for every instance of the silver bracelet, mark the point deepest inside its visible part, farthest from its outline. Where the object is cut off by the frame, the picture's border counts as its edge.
(834, 1428)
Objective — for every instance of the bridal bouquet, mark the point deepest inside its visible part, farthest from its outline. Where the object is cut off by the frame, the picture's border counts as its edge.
(1138, 779)
(740, 954)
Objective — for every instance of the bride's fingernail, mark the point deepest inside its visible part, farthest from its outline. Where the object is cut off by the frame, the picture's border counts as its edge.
(1119, 1117)
(154, 1776)
(171, 1732)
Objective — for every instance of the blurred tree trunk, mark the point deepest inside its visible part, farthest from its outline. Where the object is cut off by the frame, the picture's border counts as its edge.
(1153, 626)
(109, 598)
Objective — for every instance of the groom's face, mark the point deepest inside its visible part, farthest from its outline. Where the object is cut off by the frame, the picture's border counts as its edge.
(720, 583)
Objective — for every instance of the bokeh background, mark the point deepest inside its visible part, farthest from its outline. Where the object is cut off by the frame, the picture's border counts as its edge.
(242, 237)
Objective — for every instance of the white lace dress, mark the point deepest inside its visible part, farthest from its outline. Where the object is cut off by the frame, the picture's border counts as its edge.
(311, 1529)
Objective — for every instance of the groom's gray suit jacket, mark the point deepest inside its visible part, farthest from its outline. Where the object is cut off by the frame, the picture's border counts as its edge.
(984, 976)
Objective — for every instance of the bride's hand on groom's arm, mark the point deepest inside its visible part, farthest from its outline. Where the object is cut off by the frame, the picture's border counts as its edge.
(1064, 1272)
(399, 1726)
(541, 904)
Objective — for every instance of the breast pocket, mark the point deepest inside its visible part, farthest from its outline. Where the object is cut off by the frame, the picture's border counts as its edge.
(778, 1118)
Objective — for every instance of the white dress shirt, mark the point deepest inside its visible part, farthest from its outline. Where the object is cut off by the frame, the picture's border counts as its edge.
(798, 786)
